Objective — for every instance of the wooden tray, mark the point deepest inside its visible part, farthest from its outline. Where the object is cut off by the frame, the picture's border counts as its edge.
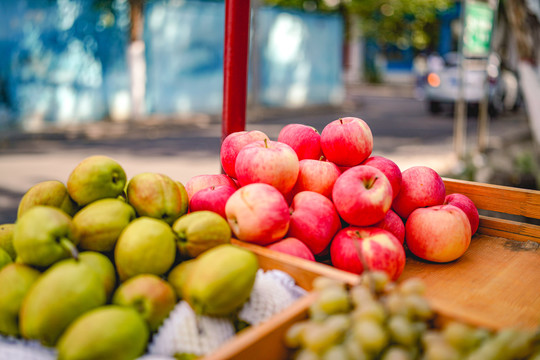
(495, 284)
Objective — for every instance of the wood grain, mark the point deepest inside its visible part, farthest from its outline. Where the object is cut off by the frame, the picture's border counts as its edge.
(498, 198)
(495, 284)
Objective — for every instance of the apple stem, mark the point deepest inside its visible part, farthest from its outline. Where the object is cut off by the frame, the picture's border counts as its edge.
(70, 248)
(368, 184)
(321, 158)
(340, 120)
(266, 143)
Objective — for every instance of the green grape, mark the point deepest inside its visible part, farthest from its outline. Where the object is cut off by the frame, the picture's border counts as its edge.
(418, 306)
(322, 283)
(441, 351)
(460, 336)
(318, 337)
(375, 280)
(402, 330)
(373, 310)
(334, 300)
(336, 352)
(396, 305)
(519, 343)
(338, 322)
(316, 313)
(412, 286)
(294, 334)
(371, 336)
(360, 294)
(354, 349)
(306, 354)
(396, 353)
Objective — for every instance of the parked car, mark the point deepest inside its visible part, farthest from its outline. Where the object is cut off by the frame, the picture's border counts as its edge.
(441, 85)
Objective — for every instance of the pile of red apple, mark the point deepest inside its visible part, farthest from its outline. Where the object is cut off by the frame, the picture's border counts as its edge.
(324, 196)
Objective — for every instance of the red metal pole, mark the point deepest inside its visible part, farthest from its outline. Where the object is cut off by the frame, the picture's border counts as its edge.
(235, 66)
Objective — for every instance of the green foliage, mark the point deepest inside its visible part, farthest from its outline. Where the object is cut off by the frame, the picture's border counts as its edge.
(410, 23)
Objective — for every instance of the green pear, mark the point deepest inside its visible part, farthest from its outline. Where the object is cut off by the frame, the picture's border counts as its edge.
(178, 275)
(62, 293)
(158, 196)
(52, 193)
(109, 332)
(6, 239)
(103, 266)
(221, 280)
(98, 225)
(15, 281)
(153, 297)
(4, 258)
(146, 245)
(44, 235)
(96, 177)
(199, 231)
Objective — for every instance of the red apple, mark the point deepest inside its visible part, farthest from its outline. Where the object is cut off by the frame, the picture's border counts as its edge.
(231, 146)
(362, 195)
(464, 203)
(292, 246)
(212, 198)
(389, 168)
(379, 249)
(200, 182)
(347, 141)
(269, 162)
(421, 186)
(305, 140)
(258, 213)
(316, 175)
(439, 233)
(393, 223)
(314, 220)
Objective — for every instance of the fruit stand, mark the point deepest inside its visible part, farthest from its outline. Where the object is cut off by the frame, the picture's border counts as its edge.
(494, 285)
(182, 264)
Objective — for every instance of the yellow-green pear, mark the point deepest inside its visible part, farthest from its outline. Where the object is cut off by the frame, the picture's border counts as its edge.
(52, 193)
(110, 332)
(199, 231)
(15, 281)
(103, 266)
(4, 258)
(96, 177)
(6, 239)
(98, 225)
(157, 196)
(62, 293)
(178, 275)
(153, 297)
(146, 246)
(44, 235)
(221, 280)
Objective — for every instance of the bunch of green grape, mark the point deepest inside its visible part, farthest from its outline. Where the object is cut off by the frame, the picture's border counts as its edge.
(380, 319)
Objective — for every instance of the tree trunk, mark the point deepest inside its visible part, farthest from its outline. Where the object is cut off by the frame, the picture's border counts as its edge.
(526, 29)
(136, 60)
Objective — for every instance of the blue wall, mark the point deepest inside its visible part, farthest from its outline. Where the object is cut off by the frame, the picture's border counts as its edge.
(60, 61)
(64, 61)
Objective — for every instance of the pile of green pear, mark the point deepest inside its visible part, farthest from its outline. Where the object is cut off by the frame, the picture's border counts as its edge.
(94, 266)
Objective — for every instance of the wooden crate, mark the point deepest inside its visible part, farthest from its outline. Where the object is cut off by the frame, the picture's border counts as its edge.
(495, 284)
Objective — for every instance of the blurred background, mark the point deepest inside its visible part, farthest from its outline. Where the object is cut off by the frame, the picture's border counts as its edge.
(404, 65)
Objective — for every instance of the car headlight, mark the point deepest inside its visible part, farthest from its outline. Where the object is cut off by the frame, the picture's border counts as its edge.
(433, 80)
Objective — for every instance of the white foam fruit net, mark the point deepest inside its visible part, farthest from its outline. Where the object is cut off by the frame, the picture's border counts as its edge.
(184, 331)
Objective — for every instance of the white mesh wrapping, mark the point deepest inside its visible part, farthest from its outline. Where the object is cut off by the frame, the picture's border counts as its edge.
(272, 292)
(184, 331)
(11, 349)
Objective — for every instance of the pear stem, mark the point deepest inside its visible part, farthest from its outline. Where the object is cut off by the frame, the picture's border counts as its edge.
(70, 248)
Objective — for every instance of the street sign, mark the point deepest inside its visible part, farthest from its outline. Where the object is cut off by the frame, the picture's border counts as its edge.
(479, 18)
